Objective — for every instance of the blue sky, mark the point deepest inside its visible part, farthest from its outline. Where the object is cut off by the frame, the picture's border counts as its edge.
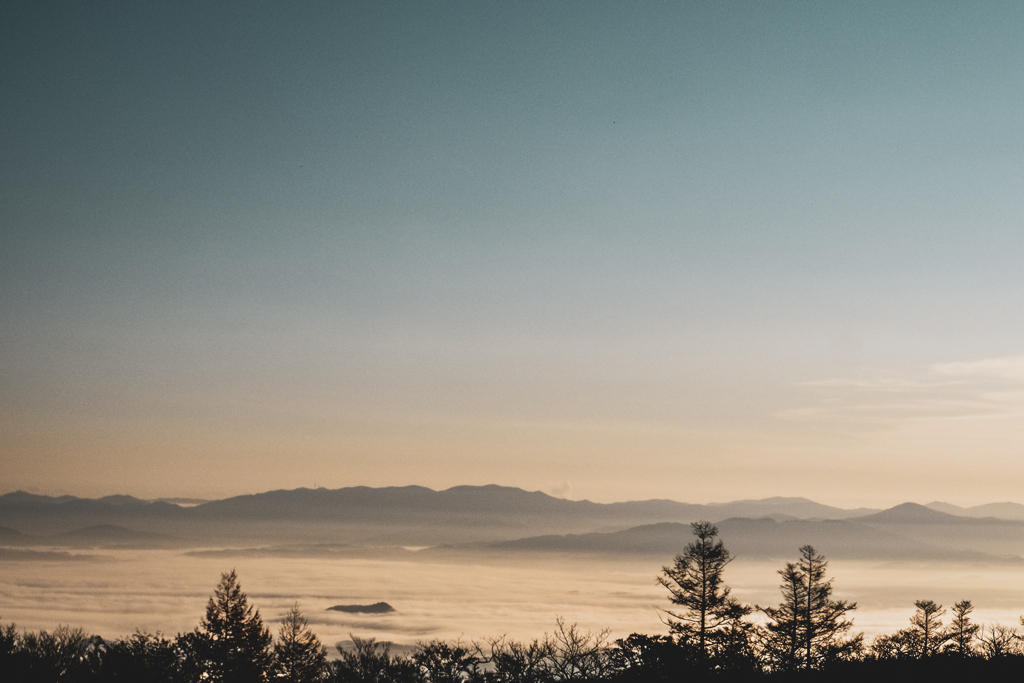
(700, 251)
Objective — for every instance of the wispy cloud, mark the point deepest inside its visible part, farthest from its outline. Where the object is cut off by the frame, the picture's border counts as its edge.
(1005, 368)
(875, 383)
(982, 388)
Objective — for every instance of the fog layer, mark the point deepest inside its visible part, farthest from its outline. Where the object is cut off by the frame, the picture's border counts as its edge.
(167, 590)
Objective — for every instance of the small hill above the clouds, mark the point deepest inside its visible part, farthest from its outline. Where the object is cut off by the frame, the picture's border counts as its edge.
(375, 608)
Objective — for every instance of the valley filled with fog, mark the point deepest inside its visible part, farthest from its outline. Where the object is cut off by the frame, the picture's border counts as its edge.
(119, 591)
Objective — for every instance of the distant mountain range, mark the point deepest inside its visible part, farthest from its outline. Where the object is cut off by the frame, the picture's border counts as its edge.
(505, 519)
(363, 503)
(905, 532)
(408, 515)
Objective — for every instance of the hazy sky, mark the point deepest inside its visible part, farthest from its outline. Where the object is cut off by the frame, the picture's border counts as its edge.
(692, 250)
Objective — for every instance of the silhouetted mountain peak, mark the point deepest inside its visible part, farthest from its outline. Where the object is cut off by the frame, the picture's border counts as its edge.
(911, 513)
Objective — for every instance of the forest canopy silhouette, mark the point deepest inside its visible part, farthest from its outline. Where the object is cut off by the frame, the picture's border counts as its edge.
(710, 635)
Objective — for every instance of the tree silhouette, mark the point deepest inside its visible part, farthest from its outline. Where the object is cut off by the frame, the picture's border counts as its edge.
(927, 620)
(998, 641)
(904, 645)
(141, 657)
(641, 658)
(232, 641)
(521, 662)
(962, 631)
(441, 662)
(807, 629)
(66, 654)
(695, 584)
(371, 662)
(579, 655)
(299, 656)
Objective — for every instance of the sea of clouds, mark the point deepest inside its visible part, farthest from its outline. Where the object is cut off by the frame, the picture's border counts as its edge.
(167, 591)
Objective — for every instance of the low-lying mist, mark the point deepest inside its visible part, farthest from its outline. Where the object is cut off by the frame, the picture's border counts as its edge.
(114, 592)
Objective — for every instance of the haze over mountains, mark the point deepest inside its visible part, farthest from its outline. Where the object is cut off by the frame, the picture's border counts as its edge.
(496, 519)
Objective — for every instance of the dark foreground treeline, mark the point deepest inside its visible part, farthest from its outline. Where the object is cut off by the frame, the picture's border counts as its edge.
(69, 655)
(711, 638)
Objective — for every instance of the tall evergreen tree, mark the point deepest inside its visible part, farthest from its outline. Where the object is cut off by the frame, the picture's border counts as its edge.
(783, 632)
(694, 582)
(234, 644)
(299, 656)
(807, 629)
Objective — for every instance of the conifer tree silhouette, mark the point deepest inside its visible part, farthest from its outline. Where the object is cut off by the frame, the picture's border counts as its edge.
(928, 622)
(234, 644)
(807, 629)
(299, 655)
(695, 584)
(962, 631)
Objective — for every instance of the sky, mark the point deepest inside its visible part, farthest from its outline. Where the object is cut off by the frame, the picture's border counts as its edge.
(692, 250)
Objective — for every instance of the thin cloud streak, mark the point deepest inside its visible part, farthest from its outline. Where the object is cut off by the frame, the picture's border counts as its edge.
(1005, 367)
(876, 383)
(979, 392)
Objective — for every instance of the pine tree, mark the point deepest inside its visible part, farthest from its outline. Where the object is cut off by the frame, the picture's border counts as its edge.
(695, 584)
(807, 629)
(234, 644)
(928, 622)
(782, 633)
(962, 631)
(299, 655)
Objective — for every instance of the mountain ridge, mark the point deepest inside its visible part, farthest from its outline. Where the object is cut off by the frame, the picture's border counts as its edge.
(1004, 510)
(763, 538)
(471, 498)
(417, 516)
(363, 502)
